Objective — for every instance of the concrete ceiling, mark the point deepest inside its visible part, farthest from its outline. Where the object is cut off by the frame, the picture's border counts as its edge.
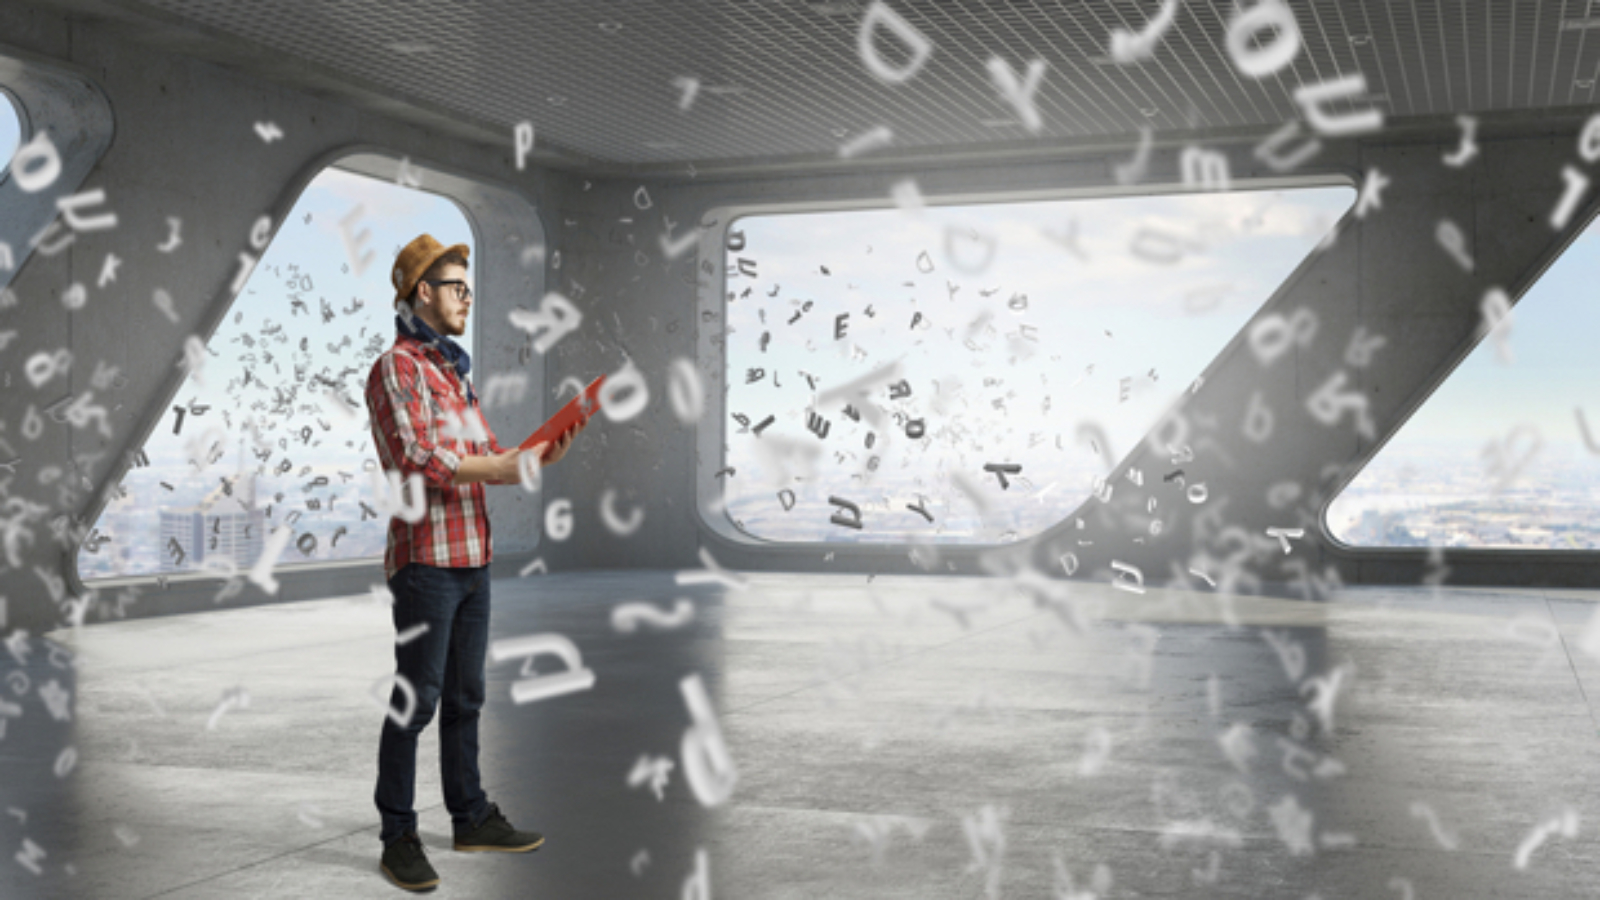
(784, 80)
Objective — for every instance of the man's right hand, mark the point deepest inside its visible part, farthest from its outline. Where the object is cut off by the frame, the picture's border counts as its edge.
(506, 463)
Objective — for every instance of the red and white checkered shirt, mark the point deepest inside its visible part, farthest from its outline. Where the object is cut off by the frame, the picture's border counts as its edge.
(414, 394)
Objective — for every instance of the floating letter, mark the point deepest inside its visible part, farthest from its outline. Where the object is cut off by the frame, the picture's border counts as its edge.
(1315, 98)
(1265, 57)
(557, 318)
(919, 47)
(1019, 93)
(542, 687)
(706, 763)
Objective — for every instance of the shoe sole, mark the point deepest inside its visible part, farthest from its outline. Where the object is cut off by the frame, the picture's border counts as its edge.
(524, 848)
(418, 886)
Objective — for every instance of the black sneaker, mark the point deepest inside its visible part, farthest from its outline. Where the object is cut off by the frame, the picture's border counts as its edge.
(496, 834)
(407, 865)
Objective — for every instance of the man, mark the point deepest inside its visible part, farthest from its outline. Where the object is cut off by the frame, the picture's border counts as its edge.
(425, 417)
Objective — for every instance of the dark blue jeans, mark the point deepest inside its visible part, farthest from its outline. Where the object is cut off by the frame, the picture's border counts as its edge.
(444, 666)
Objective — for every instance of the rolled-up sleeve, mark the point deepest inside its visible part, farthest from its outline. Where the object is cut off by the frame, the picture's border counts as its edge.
(396, 395)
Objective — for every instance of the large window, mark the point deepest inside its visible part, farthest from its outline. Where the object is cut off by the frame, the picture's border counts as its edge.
(1014, 351)
(1498, 456)
(10, 130)
(256, 439)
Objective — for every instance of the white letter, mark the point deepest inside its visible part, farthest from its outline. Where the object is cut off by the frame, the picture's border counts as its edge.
(541, 687)
(1371, 190)
(1328, 405)
(1266, 58)
(506, 388)
(1589, 140)
(1257, 426)
(1454, 242)
(880, 136)
(1020, 95)
(354, 242)
(401, 718)
(1314, 100)
(70, 207)
(522, 135)
(1268, 150)
(1204, 169)
(391, 495)
(40, 151)
(706, 763)
(1128, 47)
(698, 885)
(261, 572)
(625, 378)
(1577, 183)
(1272, 335)
(684, 390)
(880, 14)
(556, 316)
(1133, 584)
(616, 524)
(1469, 148)
(558, 519)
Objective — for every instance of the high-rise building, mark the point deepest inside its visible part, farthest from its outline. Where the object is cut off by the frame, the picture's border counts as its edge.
(212, 530)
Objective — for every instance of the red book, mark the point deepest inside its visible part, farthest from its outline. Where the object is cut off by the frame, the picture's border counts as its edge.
(587, 403)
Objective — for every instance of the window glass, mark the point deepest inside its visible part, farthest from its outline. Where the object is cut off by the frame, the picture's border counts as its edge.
(259, 441)
(10, 131)
(1498, 456)
(1033, 344)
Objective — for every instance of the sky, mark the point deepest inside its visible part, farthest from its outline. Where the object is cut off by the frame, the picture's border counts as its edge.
(10, 128)
(1552, 369)
(1518, 406)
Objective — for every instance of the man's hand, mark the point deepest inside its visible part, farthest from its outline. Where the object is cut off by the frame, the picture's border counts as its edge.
(506, 466)
(558, 449)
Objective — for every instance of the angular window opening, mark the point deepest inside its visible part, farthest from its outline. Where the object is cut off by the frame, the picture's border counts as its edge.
(260, 441)
(1498, 456)
(1045, 335)
(10, 130)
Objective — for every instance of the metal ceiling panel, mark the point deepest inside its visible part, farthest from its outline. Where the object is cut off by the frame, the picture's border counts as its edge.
(783, 79)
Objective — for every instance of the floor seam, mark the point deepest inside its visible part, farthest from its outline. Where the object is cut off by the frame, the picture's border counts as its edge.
(252, 865)
(1577, 679)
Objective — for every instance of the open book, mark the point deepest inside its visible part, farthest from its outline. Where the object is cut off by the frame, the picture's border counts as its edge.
(587, 403)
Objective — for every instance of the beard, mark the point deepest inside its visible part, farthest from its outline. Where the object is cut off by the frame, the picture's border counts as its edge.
(450, 326)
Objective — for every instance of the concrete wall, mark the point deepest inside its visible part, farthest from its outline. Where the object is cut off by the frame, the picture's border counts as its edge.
(1385, 272)
(179, 139)
(170, 135)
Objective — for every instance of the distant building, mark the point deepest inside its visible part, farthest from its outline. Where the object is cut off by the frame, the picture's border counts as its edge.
(215, 530)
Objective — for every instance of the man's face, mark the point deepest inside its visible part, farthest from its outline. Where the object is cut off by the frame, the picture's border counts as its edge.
(446, 306)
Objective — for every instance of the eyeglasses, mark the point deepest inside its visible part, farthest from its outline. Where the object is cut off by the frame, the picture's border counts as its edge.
(462, 291)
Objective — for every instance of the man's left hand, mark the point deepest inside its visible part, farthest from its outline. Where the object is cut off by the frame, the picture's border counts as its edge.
(558, 447)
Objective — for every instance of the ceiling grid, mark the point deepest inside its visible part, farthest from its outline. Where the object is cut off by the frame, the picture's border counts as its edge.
(1368, 38)
(782, 79)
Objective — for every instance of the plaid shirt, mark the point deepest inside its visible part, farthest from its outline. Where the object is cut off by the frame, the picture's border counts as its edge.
(414, 395)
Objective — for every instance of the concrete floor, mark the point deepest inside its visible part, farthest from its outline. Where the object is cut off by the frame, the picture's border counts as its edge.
(904, 738)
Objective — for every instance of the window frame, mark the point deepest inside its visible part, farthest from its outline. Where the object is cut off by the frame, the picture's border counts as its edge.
(1344, 552)
(24, 130)
(711, 442)
(496, 199)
